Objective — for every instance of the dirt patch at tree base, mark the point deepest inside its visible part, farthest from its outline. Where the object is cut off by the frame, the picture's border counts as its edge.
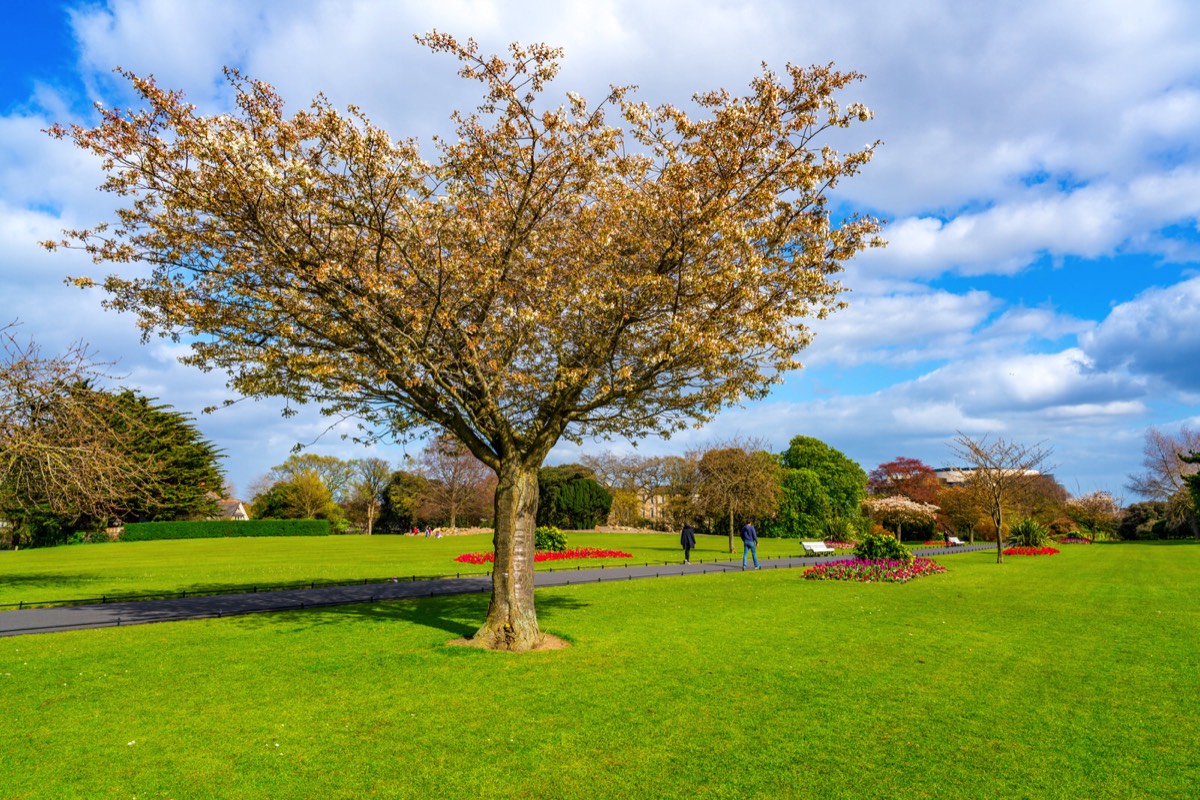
(549, 642)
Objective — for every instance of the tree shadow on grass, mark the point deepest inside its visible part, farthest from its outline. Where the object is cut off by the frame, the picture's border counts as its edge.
(459, 615)
(32, 582)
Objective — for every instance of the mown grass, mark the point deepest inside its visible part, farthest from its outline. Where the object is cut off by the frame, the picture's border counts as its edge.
(1063, 677)
(204, 565)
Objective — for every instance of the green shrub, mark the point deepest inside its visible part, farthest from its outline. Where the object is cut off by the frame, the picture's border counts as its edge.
(222, 528)
(1029, 533)
(549, 538)
(874, 546)
(88, 537)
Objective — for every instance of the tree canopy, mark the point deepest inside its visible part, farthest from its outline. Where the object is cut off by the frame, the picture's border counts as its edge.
(547, 274)
(842, 479)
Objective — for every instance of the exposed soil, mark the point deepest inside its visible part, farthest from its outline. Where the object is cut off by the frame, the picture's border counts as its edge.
(549, 642)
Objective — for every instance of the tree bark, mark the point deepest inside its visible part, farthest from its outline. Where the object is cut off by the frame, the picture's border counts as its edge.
(511, 622)
(998, 518)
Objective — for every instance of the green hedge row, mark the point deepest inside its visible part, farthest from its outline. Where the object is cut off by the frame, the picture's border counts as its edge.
(220, 528)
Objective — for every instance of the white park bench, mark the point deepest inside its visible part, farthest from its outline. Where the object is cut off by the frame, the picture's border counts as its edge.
(954, 541)
(817, 548)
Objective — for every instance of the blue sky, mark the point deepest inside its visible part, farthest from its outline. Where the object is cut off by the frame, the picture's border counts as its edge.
(1040, 173)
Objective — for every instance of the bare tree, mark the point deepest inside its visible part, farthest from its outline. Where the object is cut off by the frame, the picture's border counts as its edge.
(1164, 471)
(1000, 471)
(631, 477)
(454, 476)
(64, 447)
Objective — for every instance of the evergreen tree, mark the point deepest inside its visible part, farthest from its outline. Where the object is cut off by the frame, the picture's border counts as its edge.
(187, 476)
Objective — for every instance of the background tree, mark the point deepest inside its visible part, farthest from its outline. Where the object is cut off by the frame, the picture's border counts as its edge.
(1098, 514)
(453, 477)
(61, 458)
(367, 492)
(1192, 480)
(1043, 499)
(402, 501)
(570, 497)
(1001, 471)
(301, 494)
(907, 477)
(963, 509)
(166, 443)
(804, 508)
(897, 512)
(1163, 470)
(738, 482)
(841, 479)
(336, 474)
(631, 479)
(547, 275)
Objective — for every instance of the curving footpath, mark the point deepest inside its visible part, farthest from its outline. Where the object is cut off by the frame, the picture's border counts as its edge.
(108, 615)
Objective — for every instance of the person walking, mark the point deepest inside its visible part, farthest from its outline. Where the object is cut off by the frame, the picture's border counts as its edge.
(688, 539)
(749, 544)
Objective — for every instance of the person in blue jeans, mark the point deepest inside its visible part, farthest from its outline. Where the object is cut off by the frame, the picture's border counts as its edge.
(750, 544)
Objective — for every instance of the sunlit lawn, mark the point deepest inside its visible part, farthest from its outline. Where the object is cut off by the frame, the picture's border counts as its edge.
(129, 568)
(1073, 676)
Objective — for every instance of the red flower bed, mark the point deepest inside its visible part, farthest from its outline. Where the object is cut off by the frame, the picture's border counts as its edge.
(873, 570)
(1031, 551)
(549, 555)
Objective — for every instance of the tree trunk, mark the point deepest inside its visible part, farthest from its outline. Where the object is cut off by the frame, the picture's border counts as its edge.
(511, 622)
(998, 518)
(370, 516)
(731, 529)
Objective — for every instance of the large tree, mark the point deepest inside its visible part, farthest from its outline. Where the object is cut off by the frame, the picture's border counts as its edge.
(1001, 471)
(547, 275)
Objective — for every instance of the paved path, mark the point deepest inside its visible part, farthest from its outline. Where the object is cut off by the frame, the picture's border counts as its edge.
(96, 615)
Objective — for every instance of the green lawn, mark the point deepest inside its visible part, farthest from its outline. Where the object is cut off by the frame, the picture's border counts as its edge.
(127, 568)
(1075, 676)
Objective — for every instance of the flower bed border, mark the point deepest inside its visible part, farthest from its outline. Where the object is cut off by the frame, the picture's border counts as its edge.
(574, 554)
(1031, 551)
(879, 570)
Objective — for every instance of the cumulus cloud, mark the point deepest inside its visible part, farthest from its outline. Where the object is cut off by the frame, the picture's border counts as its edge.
(1155, 334)
(899, 329)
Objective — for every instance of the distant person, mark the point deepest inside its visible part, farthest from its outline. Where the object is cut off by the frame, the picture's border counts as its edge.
(750, 544)
(688, 539)
(416, 531)
(427, 531)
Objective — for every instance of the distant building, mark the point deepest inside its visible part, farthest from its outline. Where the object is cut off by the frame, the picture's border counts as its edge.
(230, 508)
(961, 476)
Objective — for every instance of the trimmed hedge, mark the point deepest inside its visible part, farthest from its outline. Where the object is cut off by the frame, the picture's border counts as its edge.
(222, 528)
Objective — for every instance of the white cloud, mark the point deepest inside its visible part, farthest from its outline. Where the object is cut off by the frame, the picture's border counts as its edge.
(898, 329)
(1156, 334)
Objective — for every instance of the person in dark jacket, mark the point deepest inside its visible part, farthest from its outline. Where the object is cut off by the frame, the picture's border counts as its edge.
(688, 539)
(750, 544)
